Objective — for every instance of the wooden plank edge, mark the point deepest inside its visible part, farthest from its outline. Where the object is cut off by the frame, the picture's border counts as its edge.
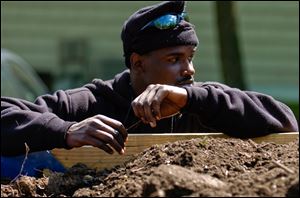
(96, 158)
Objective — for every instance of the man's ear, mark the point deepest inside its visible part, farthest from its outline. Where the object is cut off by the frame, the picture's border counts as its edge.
(136, 62)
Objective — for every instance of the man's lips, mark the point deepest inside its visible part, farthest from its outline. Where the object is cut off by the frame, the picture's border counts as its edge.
(186, 82)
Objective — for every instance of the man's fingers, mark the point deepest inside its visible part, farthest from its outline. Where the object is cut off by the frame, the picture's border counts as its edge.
(138, 106)
(109, 131)
(99, 125)
(143, 106)
(89, 140)
(159, 96)
(148, 109)
(118, 137)
(158, 102)
(108, 139)
(114, 127)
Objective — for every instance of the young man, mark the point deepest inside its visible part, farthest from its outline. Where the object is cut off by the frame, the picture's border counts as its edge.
(158, 88)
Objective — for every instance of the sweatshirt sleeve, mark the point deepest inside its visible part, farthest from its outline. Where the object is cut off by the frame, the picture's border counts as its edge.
(239, 113)
(42, 125)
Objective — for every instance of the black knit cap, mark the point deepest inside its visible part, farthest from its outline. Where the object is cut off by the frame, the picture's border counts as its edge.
(143, 41)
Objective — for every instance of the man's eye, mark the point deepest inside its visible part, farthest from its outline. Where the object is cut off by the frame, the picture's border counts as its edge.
(173, 60)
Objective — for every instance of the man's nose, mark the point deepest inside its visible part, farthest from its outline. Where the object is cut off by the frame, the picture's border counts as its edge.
(188, 69)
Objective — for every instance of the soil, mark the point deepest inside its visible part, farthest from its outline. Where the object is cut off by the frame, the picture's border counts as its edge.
(197, 167)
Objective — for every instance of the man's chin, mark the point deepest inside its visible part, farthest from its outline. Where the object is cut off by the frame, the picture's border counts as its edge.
(186, 85)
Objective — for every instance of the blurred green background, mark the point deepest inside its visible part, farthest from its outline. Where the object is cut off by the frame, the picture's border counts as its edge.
(69, 43)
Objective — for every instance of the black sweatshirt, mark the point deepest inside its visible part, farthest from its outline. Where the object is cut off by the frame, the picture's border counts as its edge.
(211, 107)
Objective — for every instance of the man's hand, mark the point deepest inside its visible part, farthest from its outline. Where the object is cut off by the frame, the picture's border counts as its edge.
(99, 131)
(159, 101)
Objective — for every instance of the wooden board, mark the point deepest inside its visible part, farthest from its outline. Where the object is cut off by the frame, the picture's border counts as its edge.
(97, 158)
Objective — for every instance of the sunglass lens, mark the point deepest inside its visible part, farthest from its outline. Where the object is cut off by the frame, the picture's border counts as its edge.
(165, 22)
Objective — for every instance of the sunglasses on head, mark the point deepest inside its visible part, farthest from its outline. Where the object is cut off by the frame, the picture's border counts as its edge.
(167, 21)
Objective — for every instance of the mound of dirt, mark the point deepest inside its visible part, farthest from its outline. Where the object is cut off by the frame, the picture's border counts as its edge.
(197, 167)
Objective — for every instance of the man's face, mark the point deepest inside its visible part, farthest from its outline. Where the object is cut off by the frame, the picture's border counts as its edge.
(171, 66)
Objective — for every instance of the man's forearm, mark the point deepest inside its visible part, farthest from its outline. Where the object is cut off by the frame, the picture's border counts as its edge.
(240, 113)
